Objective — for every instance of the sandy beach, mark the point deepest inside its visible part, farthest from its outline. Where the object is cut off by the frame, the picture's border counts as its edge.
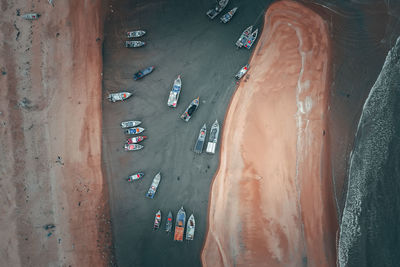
(54, 202)
(272, 200)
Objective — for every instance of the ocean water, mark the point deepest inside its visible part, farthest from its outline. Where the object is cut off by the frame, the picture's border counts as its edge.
(370, 224)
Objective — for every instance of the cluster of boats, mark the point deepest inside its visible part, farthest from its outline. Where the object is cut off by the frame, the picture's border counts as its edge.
(213, 12)
(131, 128)
(213, 139)
(180, 223)
(134, 43)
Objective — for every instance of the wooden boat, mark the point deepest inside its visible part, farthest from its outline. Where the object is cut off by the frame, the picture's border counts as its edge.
(180, 225)
(135, 130)
(191, 224)
(135, 176)
(132, 147)
(157, 220)
(154, 185)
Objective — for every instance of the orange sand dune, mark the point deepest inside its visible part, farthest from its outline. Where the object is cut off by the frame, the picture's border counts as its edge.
(271, 202)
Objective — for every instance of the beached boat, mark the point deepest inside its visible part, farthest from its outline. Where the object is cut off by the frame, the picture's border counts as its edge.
(175, 92)
(128, 124)
(135, 34)
(157, 220)
(212, 13)
(180, 225)
(154, 185)
(121, 96)
(191, 225)
(31, 16)
(135, 130)
(190, 110)
(141, 73)
(198, 147)
(228, 16)
(132, 147)
(213, 139)
(135, 176)
(243, 37)
(251, 39)
(242, 72)
(168, 225)
(135, 140)
(134, 44)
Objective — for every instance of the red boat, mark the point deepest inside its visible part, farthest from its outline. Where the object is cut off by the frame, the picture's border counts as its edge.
(135, 140)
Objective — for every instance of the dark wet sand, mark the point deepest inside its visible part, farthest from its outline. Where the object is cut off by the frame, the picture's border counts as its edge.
(181, 40)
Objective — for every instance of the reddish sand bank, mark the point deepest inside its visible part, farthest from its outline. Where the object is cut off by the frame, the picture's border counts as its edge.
(271, 201)
(50, 104)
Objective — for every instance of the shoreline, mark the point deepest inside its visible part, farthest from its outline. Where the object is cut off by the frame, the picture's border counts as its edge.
(223, 260)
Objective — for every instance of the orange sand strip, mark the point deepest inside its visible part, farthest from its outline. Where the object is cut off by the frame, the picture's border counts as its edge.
(271, 202)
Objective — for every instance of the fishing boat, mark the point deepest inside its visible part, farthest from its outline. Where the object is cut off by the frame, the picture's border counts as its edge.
(198, 147)
(168, 225)
(134, 130)
(242, 72)
(243, 37)
(128, 124)
(141, 73)
(175, 92)
(135, 176)
(136, 139)
(228, 16)
(135, 34)
(190, 110)
(191, 224)
(31, 16)
(213, 139)
(154, 185)
(212, 13)
(251, 39)
(180, 225)
(121, 96)
(134, 44)
(157, 220)
(132, 147)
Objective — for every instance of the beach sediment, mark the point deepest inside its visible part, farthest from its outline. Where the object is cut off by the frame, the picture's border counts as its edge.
(272, 199)
(55, 208)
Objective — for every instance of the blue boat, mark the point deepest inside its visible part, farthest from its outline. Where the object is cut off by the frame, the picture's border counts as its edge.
(141, 73)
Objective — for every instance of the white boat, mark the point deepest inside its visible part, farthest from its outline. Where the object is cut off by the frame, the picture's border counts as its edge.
(212, 13)
(243, 37)
(175, 92)
(131, 44)
(121, 96)
(135, 34)
(128, 124)
(154, 185)
(228, 16)
(251, 39)
(135, 176)
(190, 227)
(132, 147)
(31, 16)
(242, 72)
(213, 139)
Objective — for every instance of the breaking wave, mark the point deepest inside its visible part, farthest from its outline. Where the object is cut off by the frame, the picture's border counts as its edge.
(375, 132)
